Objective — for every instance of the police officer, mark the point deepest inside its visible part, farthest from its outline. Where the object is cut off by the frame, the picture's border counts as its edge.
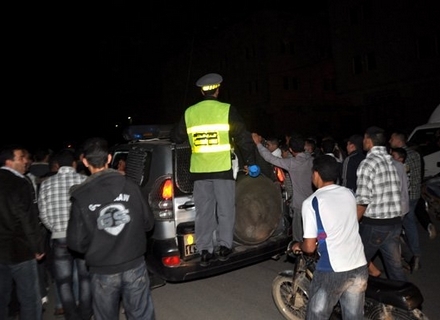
(209, 125)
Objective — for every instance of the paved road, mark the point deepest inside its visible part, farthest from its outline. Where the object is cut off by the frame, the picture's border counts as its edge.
(245, 294)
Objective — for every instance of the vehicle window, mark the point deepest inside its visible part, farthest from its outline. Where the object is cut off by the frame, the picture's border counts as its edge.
(138, 165)
(426, 140)
(117, 157)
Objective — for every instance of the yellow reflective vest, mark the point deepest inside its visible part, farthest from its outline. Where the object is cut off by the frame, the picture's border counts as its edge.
(207, 125)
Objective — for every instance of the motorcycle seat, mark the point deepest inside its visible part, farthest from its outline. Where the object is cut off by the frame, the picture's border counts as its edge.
(402, 294)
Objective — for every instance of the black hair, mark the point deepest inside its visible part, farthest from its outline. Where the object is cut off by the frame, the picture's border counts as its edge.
(328, 168)
(328, 145)
(357, 141)
(7, 153)
(401, 152)
(296, 143)
(274, 141)
(96, 152)
(65, 158)
(377, 136)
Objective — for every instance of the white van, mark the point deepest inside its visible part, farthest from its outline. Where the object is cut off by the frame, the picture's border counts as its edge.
(426, 140)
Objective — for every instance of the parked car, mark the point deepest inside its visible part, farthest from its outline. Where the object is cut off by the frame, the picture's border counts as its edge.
(161, 168)
(426, 140)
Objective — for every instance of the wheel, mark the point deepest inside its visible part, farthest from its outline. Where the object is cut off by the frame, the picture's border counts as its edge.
(374, 310)
(282, 294)
(258, 209)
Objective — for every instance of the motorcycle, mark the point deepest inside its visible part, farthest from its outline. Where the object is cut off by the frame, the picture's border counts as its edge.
(384, 299)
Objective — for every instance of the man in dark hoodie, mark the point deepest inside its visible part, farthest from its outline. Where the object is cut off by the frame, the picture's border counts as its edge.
(109, 223)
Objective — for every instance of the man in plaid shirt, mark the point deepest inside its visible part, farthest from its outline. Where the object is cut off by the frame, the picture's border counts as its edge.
(54, 205)
(378, 198)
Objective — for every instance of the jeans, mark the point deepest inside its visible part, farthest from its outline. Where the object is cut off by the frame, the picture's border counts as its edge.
(386, 239)
(327, 288)
(25, 276)
(409, 224)
(65, 262)
(58, 304)
(134, 288)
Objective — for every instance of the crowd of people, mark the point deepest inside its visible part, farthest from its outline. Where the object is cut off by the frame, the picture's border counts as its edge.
(69, 219)
(57, 214)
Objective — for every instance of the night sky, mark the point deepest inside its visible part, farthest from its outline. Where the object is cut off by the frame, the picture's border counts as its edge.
(78, 70)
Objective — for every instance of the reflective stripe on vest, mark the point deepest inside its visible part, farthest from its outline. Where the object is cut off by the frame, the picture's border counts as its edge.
(206, 138)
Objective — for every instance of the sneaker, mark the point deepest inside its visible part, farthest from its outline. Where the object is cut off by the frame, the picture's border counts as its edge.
(432, 232)
(206, 258)
(224, 253)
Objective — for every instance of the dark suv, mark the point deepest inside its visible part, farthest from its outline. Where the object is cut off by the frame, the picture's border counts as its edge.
(161, 168)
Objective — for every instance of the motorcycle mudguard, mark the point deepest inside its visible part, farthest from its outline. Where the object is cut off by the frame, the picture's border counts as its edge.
(400, 294)
(286, 273)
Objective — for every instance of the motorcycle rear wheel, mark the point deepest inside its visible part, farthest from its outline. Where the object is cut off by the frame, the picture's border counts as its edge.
(282, 294)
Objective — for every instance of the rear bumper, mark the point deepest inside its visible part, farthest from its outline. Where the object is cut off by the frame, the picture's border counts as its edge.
(243, 255)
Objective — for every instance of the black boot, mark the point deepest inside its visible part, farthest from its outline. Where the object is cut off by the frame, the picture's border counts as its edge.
(206, 258)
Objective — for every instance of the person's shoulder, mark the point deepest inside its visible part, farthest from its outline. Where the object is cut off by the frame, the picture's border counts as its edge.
(364, 163)
(345, 190)
(410, 153)
(9, 174)
(5, 172)
(47, 180)
(358, 154)
(355, 158)
(309, 199)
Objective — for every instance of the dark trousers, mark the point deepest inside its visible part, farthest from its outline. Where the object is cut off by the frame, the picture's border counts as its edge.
(64, 261)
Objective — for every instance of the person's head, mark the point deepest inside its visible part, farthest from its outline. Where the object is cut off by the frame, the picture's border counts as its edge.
(53, 163)
(14, 157)
(41, 154)
(310, 145)
(354, 143)
(374, 136)
(96, 153)
(325, 170)
(272, 144)
(296, 143)
(285, 152)
(121, 163)
(328, 145)
(399, 154)
(209, 84)
(397, 140)
(66, 158)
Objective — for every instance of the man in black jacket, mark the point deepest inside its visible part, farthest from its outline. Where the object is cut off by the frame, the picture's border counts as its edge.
(355, 155)
(109, 222)
(21, 243)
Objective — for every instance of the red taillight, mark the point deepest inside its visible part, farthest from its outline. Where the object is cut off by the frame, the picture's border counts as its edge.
(172, 261)
(167, 189)
(280, 174)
